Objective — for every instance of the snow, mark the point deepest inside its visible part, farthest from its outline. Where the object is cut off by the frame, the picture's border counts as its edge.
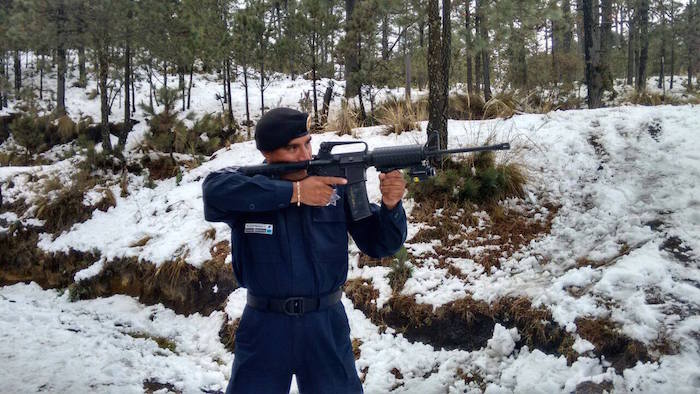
(51, 344)
(604, 257)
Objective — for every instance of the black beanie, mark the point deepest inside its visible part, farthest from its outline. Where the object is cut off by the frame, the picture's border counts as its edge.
(279, 126)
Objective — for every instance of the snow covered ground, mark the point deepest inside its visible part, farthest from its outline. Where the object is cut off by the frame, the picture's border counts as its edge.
(627, 183)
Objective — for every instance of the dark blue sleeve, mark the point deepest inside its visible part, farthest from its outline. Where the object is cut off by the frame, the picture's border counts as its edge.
(383, 233)
(227, 193)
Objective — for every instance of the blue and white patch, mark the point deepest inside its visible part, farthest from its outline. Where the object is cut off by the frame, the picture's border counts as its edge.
(334, 198)
(258, 228)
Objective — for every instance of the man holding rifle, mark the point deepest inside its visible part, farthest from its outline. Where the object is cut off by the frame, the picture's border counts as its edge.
(289, 239)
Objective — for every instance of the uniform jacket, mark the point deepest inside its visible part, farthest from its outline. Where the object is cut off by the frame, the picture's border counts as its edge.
(280, 250)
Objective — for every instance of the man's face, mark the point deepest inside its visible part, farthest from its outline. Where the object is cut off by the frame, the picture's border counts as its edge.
(298, 149)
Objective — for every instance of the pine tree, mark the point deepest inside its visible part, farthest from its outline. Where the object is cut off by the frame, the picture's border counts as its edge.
(644, 44)
(439, 31)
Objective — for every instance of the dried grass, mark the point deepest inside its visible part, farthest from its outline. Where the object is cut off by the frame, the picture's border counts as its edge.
(399, 115)
(345, 120)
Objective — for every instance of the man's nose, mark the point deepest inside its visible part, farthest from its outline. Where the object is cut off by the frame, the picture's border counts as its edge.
(305, 153)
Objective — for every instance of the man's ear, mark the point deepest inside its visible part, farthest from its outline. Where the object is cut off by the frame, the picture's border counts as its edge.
(266, 155)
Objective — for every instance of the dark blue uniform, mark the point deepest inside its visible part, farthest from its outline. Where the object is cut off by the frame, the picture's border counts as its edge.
(281, 251)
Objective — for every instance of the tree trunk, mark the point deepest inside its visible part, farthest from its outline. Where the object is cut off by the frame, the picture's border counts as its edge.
(262, 87)
(150, 83)
(631, 42)
(468, 48)
(518, 48)
(61, 55)
(660, 83)
(165, 75)
(126, 126)
(327, 96)
(2, 76)
(385, 37)
(82, 73)
(313, 76)
(18, 73)
(224, 94)
(446, 59)
(247, 107)
(104, 96)
(484, 32)
(592, 55)
(606, 45)
(691, 41)
(477, 59)
(228, 92)
(437, 95)
(673, 45)
(133, 95)
(41, 77)
(181, 85)
(421, 42)
(644, 43)
(351, 61)
(189, 86)
(407, 66)
(579, 28)
(363, 112)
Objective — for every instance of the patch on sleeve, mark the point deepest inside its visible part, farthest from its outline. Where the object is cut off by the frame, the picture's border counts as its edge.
(258, 228)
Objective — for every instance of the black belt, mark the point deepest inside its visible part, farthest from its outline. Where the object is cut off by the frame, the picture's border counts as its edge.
(294, 306)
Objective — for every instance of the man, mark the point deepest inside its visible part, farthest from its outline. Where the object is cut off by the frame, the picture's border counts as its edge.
(289, 239)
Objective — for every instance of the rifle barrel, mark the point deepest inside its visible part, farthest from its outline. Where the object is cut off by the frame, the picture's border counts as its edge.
(503, 146)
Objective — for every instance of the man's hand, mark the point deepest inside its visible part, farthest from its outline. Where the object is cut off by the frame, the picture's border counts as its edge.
(392, 186)
(316, 190)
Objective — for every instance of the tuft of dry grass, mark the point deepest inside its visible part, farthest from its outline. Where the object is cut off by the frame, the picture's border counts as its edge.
(465, 106)
(108, 200)
(471, 377)
(361, 292)
(367, 261)
(227, 333)
(160, 167)
(220, 252)
(617, 348)
(210, 234)
(162, 342)
(64, 209)
(345, 120)
(399, 115)
(141, 242)
(356, 344)
(500, 107)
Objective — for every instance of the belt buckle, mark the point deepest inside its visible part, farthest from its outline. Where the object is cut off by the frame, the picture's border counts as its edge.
(294, 306)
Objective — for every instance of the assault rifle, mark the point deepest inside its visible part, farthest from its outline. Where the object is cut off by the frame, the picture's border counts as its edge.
(353, 166)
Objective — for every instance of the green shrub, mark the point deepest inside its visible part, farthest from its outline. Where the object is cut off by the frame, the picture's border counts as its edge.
(40, 133)
(95, 161)
(400, 271)
(477, 180)
(28, 133)
(167, 133)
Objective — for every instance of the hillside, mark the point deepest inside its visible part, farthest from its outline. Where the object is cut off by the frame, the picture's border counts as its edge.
(589, 283)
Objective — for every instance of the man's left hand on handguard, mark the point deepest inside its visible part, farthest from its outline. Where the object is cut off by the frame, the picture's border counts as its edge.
(392, 185)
